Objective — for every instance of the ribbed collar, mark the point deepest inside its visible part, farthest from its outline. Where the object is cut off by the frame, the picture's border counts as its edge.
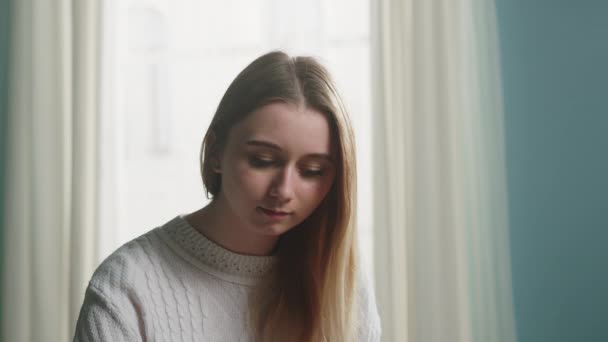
(227, 265)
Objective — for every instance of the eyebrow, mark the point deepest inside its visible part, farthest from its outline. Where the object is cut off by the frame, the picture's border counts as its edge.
(261, 143)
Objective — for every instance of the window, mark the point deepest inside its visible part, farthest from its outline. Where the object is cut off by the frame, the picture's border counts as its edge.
(166, 65)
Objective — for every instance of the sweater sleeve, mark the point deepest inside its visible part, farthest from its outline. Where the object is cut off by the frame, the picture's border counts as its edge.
(100, 320)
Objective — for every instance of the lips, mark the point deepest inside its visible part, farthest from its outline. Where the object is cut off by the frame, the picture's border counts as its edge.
(276, 213)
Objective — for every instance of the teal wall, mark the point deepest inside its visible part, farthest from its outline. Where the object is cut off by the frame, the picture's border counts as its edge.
(4, 44)
(555, 77)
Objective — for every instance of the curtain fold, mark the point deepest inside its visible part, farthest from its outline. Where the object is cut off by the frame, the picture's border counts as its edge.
(441, 245)
(51, 182)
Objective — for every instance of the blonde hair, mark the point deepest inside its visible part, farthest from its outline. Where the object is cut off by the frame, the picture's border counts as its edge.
(310, 296)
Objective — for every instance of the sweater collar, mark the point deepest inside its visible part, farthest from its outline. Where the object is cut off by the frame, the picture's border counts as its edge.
(215, 258)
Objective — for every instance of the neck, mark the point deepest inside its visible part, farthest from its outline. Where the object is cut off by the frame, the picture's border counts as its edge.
(219, 224)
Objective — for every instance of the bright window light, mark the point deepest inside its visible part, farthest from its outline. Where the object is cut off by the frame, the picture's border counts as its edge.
(166, 65)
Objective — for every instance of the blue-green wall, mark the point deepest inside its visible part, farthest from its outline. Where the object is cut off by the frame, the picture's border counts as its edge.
(4, 48)
(555, 73)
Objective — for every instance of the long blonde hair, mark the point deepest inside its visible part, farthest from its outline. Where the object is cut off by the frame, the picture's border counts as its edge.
(310, 296)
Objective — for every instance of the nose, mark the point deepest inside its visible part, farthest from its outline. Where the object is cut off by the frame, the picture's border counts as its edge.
(282, 187)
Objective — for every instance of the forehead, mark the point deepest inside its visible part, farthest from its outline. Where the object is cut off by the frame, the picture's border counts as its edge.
(297, 130)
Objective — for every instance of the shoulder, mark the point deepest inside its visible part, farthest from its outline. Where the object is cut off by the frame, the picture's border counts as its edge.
(133, 264)
(128, 262)
(113, 300)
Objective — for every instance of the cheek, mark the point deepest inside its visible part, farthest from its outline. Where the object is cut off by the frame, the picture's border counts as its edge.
(315, 192)
(250, 182)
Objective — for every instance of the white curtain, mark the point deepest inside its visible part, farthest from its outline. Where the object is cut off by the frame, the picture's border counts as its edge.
(441, 250)
(51, 167)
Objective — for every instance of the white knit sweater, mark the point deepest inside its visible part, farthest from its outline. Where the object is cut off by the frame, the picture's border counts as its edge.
(173, 284)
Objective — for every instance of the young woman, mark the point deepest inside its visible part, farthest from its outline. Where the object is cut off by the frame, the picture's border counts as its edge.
(273, 256)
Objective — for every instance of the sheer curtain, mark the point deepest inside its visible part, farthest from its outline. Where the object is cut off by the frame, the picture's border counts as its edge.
(50, 215)
(441, 244)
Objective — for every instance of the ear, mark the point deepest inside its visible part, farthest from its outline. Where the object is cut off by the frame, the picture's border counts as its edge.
(216, 164)
(214, 159)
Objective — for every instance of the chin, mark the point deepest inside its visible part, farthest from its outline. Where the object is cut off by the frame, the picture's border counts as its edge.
(271, 230)
(274, 231)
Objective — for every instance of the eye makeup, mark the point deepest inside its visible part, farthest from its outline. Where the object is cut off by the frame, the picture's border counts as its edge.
(265, 161)
(262, 154)
(261, 161)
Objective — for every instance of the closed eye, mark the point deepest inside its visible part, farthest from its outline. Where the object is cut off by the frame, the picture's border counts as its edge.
(312, 173)
(259, 163)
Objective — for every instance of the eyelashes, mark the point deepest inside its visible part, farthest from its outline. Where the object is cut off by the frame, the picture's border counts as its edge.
(262, 163)
(312, 173)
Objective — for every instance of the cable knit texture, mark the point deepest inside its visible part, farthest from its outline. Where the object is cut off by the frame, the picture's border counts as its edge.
(173, 284)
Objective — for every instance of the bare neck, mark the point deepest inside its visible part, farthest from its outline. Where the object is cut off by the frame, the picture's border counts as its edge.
(219, 224)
